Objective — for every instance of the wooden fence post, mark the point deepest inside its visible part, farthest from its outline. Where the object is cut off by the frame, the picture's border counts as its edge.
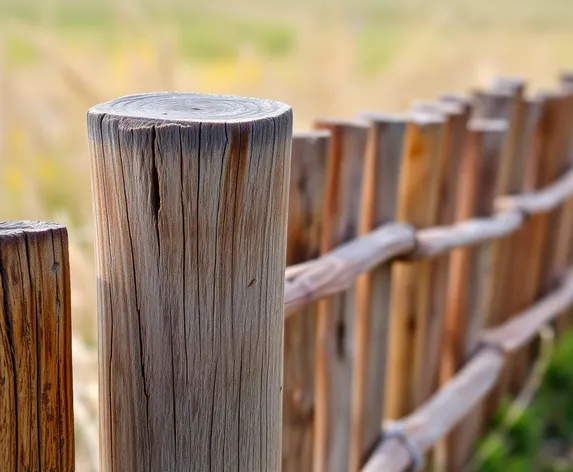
(411, 282)
(470, 267)
(379, 203)
(455, 115)
(558, 241)
(335, 325)
(503, 102)
(566, 84)
(190, 198)
(310, 151)
(36, 398)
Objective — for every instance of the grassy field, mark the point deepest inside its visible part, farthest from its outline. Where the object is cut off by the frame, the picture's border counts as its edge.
(338, 57)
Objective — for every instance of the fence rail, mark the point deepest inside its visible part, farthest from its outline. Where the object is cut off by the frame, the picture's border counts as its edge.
(337, 270)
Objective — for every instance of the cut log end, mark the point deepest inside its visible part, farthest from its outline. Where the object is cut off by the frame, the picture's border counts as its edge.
(8, 228)
(191, 108)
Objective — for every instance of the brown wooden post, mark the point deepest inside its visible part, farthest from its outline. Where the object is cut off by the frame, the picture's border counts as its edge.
(544, 161)
(36, 397)
(558, 245)
(566, 84)
(335, 326)
(310, 152)
(455, 115)
(379, 203)
(190, 198)
(470, 268)
(514, 110)
(504, 101)
(411, 282)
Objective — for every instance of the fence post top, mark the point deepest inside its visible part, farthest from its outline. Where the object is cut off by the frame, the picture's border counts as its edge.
(18, 227)
(191, 108)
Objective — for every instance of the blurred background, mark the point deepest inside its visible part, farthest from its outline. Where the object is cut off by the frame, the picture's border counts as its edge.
(323, 57)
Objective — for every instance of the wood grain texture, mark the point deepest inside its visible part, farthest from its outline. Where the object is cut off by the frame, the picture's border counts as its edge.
(190, 199)
(310, 152)
(36, 397)
(455, 114)
(469, 268)
(379, 204)
(411, 283)
(335, 329)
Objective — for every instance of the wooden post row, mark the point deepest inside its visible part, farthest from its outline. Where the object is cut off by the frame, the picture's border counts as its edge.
(36, 397)
(335, 325)
(530, 252)
(542, 145)
(190, 196)
(310, 151)
(485, 270)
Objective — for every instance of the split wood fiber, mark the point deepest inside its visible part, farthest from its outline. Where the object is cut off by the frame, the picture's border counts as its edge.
(336, 317)
(36, 397)
(310, 151)
(190, 196)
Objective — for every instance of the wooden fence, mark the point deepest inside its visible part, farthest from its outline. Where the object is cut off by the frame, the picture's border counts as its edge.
(424, 251)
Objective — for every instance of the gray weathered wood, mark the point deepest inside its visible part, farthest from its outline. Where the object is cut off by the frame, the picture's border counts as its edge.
(335, 326)
(190, 198)
(379, 203)
(310, 152)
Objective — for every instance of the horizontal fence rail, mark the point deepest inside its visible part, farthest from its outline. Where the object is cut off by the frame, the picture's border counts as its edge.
(338, 269)
(407, 440)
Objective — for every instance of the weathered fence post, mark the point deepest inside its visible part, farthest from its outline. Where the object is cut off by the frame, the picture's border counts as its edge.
(379, 202)
(411, 293)
(479, 172)
(36, 398)
(336, 314)
(310, 151)
(190, 198)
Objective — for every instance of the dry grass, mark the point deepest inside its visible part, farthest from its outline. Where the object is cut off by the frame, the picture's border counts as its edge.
(327, 58)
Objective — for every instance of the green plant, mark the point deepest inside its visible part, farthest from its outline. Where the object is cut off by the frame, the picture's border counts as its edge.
(538, 441)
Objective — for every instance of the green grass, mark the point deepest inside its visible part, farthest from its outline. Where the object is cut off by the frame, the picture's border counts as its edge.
(547, 421)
